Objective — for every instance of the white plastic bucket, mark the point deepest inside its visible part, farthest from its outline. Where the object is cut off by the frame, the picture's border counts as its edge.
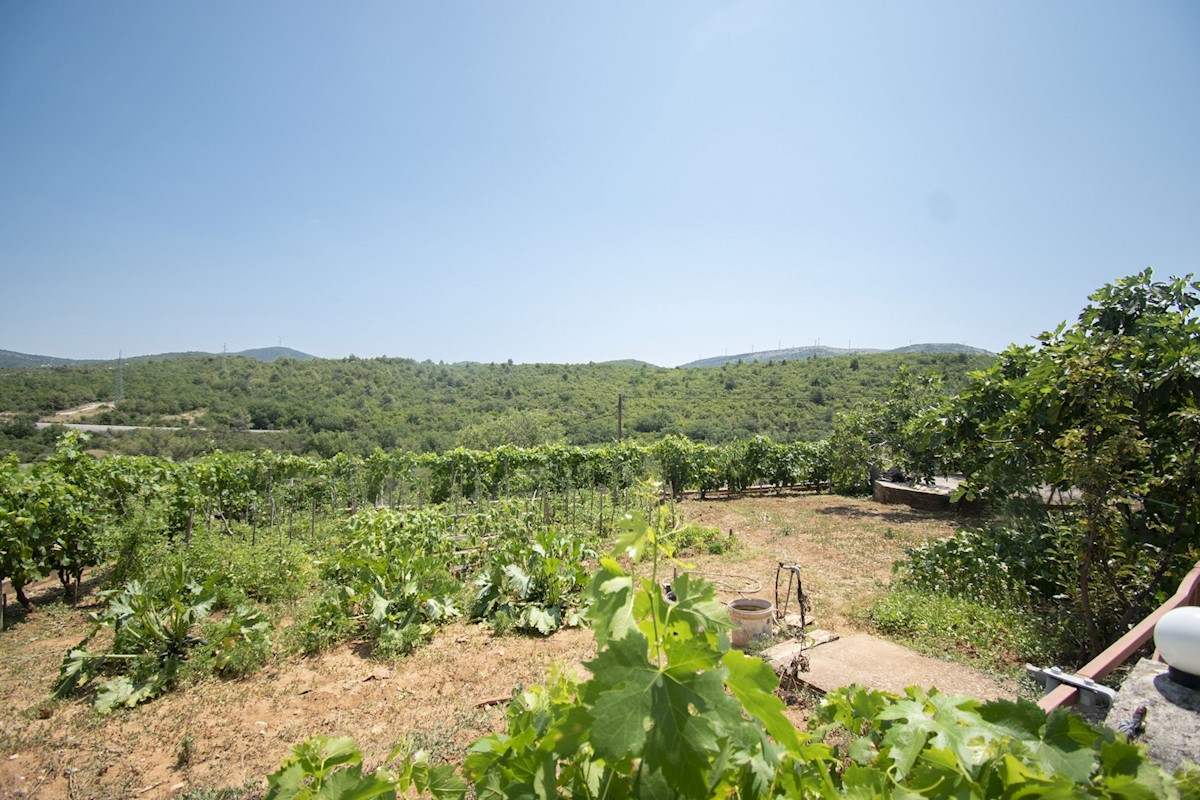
(753, 618)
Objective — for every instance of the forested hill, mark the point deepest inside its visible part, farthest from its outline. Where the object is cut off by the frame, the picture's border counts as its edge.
(822, 351)
(354, 405)
(10, 359)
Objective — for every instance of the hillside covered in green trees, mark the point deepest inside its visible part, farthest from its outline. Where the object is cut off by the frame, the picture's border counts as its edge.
(354, 405)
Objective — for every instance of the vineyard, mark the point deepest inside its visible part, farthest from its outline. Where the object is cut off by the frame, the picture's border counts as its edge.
(401, 580)
(55, 512)
(214, 568)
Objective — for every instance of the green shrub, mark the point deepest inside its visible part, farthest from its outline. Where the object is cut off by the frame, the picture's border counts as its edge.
(960, 628)
(695, 538)
(267, 571)
(1020, 564)
(240, 643)
(323, 621)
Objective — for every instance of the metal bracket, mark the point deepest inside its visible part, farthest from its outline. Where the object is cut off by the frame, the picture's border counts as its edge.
(802, 602)
(1091, 694)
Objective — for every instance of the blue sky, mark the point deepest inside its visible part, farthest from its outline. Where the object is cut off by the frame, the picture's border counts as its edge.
(573, 182)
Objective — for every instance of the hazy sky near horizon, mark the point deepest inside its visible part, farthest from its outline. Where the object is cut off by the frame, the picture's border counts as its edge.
(573, 182)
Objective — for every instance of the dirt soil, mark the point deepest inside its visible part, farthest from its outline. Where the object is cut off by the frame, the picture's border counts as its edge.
(845, 547)
(79, 413)
(232, 733)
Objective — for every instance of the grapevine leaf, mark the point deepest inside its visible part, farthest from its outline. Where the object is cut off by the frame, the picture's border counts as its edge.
(947, 722)
(851, 705)
(1126, 787)
(1060, 743)
(622, 705)
(906, 743)
(697, 605)
(665, 716)
(611, 594)
(1021, 720)
(868, 783)
(863, 751)
(635, 535)
(1128, 773)
(1059, 787)
(349, 784)
(287, 783)
(753, 683)
(320, 754)
(946, 770)
(442, 782)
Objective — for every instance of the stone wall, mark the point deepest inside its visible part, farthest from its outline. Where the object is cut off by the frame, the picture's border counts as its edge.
(926, 499)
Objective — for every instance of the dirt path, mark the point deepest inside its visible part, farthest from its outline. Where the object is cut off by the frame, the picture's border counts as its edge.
(79, 413)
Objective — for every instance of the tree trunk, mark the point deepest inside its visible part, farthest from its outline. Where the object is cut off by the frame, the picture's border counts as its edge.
(1085, 595)
(21, 598)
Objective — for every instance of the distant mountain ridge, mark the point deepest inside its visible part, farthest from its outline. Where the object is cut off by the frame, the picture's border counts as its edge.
(820, 351)
(10, 359)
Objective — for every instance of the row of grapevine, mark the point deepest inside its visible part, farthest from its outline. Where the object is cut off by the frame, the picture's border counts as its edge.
(50, 515)
(684, 464)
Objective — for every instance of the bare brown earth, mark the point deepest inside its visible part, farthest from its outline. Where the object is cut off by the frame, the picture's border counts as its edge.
(845, 546)
(232, 733)
(79, 413)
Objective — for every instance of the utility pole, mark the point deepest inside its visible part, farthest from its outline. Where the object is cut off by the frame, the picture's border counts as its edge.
(118, 385)
(620, 403)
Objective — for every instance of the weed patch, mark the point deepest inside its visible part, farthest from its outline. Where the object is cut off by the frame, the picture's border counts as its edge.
(958, 628)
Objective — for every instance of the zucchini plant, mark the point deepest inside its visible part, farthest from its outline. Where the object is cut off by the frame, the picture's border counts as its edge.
(154, 630)
(534, 585)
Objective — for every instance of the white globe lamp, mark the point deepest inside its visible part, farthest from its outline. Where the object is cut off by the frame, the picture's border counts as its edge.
(1177, 637)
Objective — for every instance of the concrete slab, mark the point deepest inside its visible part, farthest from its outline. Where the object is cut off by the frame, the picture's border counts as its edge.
(1172, 723)
(864, 659)
(784, 652)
